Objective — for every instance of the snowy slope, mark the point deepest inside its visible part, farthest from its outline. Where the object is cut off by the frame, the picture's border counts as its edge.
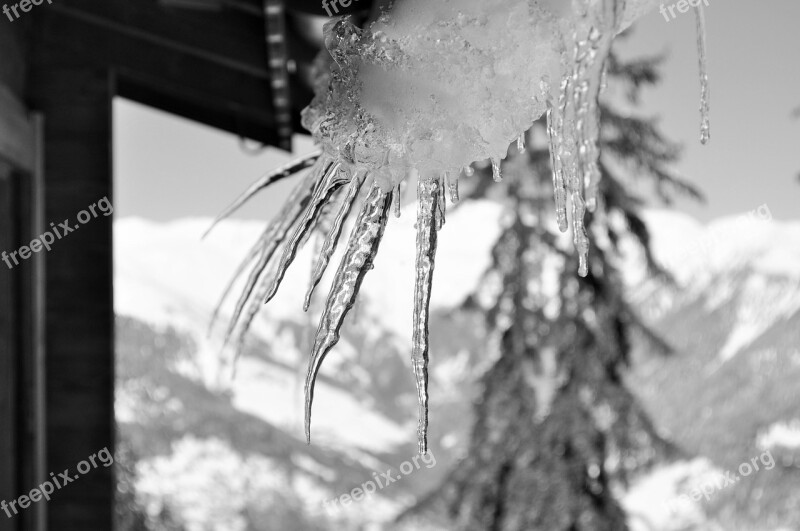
(738, 296)
(730, 391)
(166, 274)
(747, 264)
(169, 280)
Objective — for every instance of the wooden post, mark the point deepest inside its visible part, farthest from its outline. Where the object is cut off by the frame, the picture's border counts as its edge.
(75, 99)
(9, 471)
(16, 167)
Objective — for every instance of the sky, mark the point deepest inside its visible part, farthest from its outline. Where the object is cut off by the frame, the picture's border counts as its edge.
(167, 167)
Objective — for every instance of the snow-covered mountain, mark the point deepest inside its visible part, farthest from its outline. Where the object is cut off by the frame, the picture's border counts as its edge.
(734, 319)
(730, 391)
(167, 284)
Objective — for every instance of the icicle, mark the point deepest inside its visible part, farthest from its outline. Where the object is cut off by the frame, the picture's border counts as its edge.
(361, 250)
(268, 234)
(588, 151)
(429, 192)
(579, 237)
(577, 183)
(569, 141)
(319, 241)
(496, 175)
(576, 130)
(252, 309)
(521, 143)
(604, 78)
(441, 205)
(332, 239)
(469, 171)
(330, 182)
(559, 188)
(252, 254)
(593, 80)
(277, 235)
(249, 313)
(278, 230)
(396, 199)
(564, 142)
(266, 180)
(705, 122)
(452, 185)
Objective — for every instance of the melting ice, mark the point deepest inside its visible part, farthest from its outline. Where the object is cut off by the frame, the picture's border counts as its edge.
(427, 90)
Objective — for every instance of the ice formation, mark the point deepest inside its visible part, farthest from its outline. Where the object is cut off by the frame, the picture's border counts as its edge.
(705, 127)
(431, 87)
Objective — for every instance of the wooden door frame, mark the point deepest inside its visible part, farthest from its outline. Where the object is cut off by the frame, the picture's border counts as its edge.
(22, 332)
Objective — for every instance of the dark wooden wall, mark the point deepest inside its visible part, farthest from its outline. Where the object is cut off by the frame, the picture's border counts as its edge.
(18, 442)
(9, 315)
(82, 54)
(66, 61)
(75, 98)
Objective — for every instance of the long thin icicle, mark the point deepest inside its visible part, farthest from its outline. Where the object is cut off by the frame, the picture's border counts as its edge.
(588, 102)
(575, 136)
(442, 205)
(567, 134)
(589, 116)
(278, 230)
(331, 181)
(563, 146)
(702, 58)
(287, 170)
(429, 193)
(332, 239)
(361, 250)
(252, 254)
(594, 175)
(249, 312)
(559, 187)
(396, 200)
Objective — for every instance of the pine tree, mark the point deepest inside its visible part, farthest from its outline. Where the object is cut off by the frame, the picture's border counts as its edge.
(556, 429)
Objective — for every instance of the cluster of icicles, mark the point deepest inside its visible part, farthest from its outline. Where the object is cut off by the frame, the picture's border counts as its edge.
(335, 176)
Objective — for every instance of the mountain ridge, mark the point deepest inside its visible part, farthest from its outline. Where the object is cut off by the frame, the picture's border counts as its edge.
(735, 309)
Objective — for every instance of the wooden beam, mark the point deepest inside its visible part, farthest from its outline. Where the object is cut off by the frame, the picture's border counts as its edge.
(188, 85)
(198, 106)
(230, 39)
(9, 349)
(75, 97)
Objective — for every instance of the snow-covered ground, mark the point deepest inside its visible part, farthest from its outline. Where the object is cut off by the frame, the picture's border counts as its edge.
(166, 276)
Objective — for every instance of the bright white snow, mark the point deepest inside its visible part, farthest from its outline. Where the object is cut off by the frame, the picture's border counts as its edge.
(780, 435)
